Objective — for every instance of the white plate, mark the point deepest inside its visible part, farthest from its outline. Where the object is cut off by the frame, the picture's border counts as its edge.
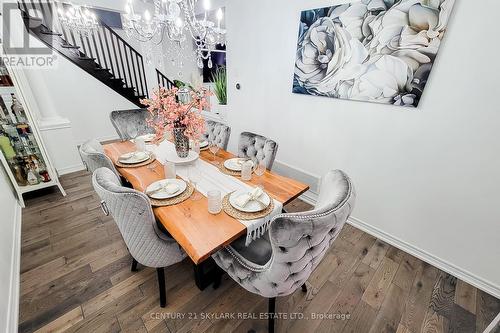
(171, 156)
(147, 137)
(251, 206)
(203, 144)
(134, 157)
(162, 194)
(235, 163)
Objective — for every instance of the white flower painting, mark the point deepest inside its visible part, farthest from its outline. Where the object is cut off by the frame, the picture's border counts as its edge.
(373, 50)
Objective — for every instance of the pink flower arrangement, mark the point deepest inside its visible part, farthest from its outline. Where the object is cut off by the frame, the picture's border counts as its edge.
(168, 112)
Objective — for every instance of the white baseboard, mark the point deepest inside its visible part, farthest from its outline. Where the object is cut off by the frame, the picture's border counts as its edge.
(429, 258)
(70, 169)
(13, 301)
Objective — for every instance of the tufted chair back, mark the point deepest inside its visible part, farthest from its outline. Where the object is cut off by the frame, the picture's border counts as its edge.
(93, 157)
(134, 216)
(258, 148)
(298, 242)
(122, 120)
(218, 133)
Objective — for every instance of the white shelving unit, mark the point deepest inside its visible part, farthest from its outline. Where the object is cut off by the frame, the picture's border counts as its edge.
(5, 93)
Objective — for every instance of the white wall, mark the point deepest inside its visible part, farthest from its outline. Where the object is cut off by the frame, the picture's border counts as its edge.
(9, 255)
(427, 177)
(80, 98)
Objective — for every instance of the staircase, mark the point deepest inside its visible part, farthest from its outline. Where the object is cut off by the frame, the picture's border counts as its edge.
(102, 53)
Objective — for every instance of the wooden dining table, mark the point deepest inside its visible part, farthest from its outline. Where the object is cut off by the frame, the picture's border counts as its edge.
(197, 231)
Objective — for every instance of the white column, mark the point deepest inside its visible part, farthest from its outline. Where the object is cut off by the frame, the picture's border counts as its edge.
(47, 116)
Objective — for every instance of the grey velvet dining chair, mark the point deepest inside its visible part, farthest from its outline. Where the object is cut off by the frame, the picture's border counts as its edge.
(134, 216)
(93, 157)
(258, 148)
(282, 261)
(218, 133)
(123, 120)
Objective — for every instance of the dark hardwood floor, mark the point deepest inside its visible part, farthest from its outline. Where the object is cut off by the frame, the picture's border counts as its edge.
(75, 277)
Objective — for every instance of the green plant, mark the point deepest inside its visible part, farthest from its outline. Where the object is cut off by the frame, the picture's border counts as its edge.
(179, 83)
(219, 78)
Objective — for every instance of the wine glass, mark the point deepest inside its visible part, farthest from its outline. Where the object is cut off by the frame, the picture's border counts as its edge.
(196, 146)
(260, 169)
(194, 176)
(214, 148)
(132, 131)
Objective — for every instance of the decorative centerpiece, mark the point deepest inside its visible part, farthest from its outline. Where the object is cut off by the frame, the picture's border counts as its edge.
(178, 111)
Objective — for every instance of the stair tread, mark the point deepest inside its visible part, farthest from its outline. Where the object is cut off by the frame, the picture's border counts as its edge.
(49, 32)
(69, 46)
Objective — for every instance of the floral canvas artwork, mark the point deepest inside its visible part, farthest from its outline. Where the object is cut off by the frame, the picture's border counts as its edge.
(372, 50)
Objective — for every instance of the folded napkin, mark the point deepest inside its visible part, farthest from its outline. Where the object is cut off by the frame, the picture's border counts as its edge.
(135, 154)
(244, 199)
(169, 188)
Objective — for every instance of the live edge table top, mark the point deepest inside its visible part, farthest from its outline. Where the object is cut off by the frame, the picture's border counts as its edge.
(197, 231)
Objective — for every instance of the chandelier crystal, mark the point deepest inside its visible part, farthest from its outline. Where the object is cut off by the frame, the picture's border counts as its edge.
(78, 18)
(176, 20)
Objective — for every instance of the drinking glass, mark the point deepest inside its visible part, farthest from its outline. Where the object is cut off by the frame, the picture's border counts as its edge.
(169, 168)
(214, 148)
(246, 170)
(196, 146)
(132, 131)
(260, 169)
(194, 177)
(140, 144)
(214, 201)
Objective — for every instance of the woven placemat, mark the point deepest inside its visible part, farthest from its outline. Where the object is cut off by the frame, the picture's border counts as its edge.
(227, 171)
(175, 200)
(238, 214)
(151, 159)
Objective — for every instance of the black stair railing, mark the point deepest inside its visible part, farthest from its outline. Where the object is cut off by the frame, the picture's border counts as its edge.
(164, 81)
(112, 55)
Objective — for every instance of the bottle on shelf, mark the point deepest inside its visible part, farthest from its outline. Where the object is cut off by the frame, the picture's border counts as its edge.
(32, 178)
(6, 146)
(4, 113)
(5, 79)
(31, 173)
(17, 109)
(19, 173)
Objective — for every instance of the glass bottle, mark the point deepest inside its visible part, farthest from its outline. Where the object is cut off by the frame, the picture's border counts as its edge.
(19, 174)
(17, 109)
(4, 112)
(32, 178)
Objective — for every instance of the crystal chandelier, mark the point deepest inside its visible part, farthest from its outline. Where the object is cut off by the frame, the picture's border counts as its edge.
(176, 19)
(77, 18)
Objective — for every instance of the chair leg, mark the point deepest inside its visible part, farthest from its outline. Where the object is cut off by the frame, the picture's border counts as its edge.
(272, 314)
(304, 288)
(218, 276)
(134, 265)
(161, 284)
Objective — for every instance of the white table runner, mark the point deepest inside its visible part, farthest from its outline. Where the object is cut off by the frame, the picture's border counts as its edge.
(212, 178)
